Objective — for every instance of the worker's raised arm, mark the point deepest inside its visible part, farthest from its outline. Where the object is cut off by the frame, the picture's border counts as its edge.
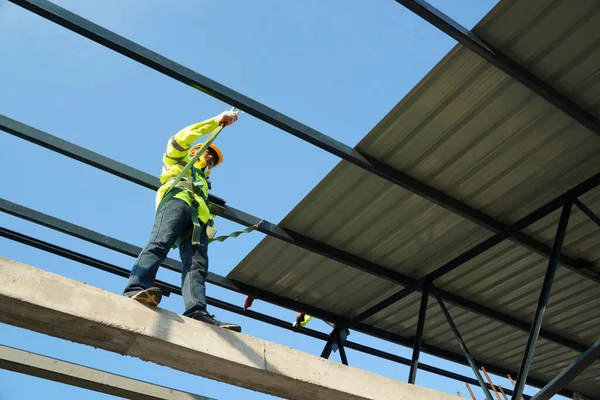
(180, 143)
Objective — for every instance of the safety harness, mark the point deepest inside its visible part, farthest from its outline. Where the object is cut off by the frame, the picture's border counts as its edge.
(193, 186)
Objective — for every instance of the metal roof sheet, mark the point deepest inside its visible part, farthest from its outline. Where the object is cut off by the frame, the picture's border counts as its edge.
(468, 130)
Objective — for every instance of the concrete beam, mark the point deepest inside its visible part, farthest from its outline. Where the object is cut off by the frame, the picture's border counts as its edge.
(34, 299)
(49, 368)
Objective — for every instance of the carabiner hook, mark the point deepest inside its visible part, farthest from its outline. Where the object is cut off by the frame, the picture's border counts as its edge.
(235, 109)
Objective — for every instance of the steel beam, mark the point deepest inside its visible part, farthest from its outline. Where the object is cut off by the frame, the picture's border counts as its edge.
(163, 71)
(169, 288)
(217, 204)
(164, 286)
(220, 208)
(495, 57)
(40, 366)
(587, 211)
(461, 343)
(540, 310)
(487, 244)
(282, 302)
(191, 78)
(414, 363)
(128, 249)
(568, 374)
(84, 155)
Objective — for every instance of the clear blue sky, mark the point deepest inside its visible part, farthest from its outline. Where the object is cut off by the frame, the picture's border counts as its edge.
(337, 66)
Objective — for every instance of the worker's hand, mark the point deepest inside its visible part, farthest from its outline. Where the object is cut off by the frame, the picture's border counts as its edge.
(226, 118)
(298, 322)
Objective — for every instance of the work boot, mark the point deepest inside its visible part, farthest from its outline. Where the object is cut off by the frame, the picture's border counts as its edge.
(148, 297)
(210, 319)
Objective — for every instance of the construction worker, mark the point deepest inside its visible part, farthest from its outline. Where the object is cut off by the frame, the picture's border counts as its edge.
(182, 220)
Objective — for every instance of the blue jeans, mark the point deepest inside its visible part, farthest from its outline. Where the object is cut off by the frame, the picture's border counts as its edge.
(173, 220)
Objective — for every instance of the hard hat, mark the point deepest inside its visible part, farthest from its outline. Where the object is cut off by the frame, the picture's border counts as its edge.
(213, 148)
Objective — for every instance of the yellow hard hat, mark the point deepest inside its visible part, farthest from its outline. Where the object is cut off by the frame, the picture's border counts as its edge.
(213, 148)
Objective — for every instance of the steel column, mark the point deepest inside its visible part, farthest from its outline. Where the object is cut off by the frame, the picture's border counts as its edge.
(191, 78)
(568, 374)
(462, 344)
(501, 61)
(341, 349)
(414, 364)
(587, 211)
(543, 300)
(329, 345)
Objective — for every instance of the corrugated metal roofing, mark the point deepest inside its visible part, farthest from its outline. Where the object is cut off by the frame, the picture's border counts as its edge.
(474, 133)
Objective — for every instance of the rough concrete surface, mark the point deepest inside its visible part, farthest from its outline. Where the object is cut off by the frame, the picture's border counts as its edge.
(52, 304)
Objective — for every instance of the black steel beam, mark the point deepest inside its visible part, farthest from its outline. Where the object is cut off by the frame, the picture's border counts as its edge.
(319, 139)
(487, 244)
(218, 205)
(166, 287)
(540, 310)
(414, 363)
(495, 57)
(84, 155)
(114, 244)
(151, 59)
(568, 374)
(133, 175)
(191, 78)
(128, 249)
(272, 298)
(587, 211)
(461, 343)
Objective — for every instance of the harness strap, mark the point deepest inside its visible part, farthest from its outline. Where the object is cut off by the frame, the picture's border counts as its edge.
(197, 229)
(192, 187)
(234, 234)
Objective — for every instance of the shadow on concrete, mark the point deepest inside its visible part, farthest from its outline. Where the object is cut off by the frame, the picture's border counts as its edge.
(168, 322)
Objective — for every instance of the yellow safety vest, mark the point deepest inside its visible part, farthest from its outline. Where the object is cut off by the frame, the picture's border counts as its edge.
(177, 156)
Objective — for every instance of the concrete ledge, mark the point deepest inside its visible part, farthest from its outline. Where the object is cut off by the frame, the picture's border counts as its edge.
(52, 304)
(68, 373)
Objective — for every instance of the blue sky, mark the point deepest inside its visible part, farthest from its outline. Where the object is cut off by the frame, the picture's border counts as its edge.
(336, 66)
